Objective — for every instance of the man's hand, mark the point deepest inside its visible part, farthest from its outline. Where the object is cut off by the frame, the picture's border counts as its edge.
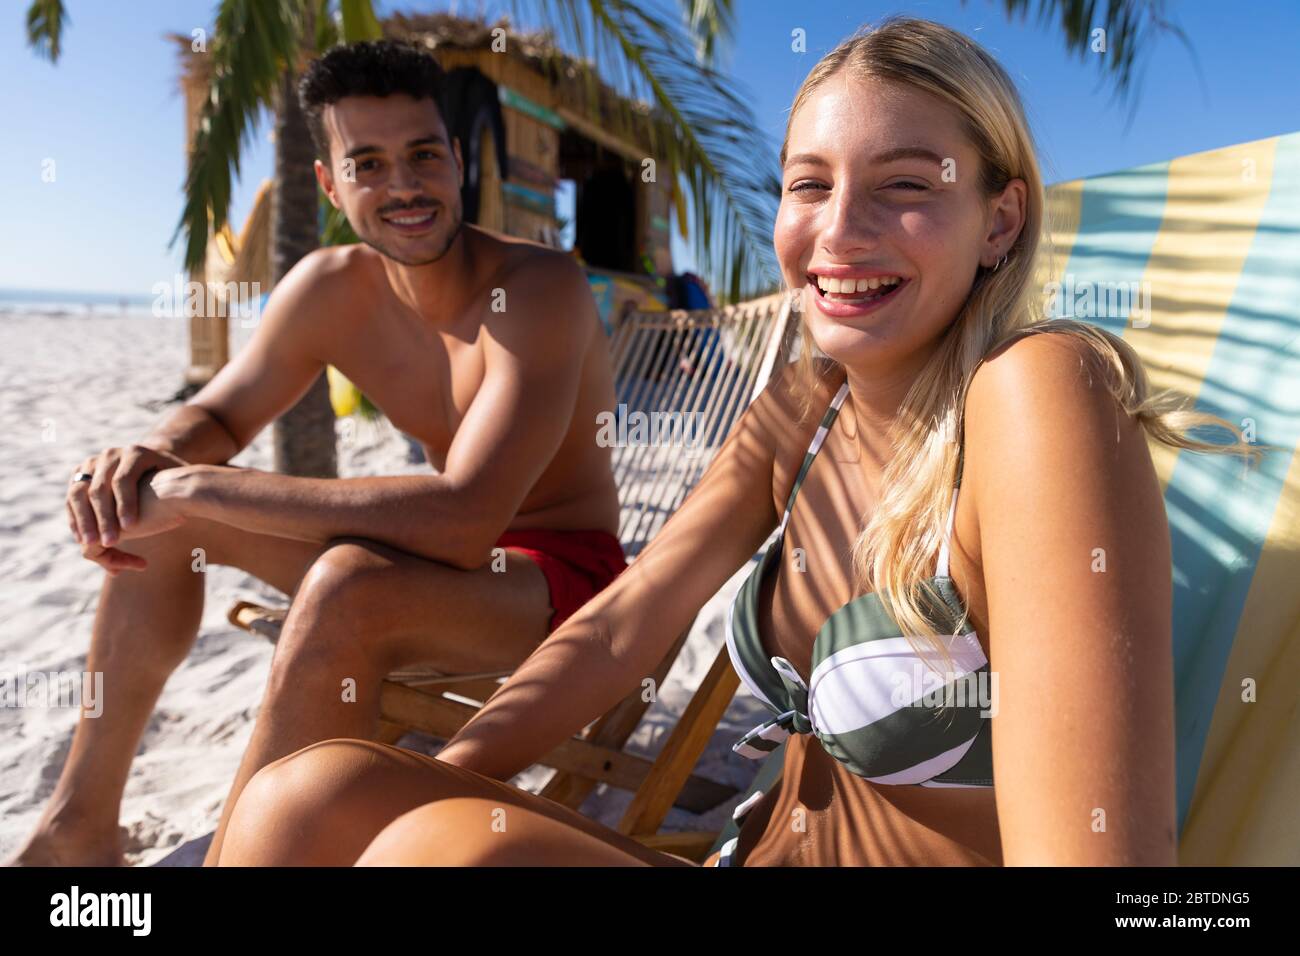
(99, 509)
(161, 503)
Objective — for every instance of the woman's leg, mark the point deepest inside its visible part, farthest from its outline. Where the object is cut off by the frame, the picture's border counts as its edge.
(326, 804)
(482, 831)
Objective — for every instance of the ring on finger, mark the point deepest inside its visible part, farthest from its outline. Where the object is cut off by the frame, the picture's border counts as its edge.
(82, 476)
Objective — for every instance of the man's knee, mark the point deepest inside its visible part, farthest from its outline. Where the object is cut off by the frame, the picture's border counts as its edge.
(188, 547)
(345, 576)
(354, 606)
(333, 615)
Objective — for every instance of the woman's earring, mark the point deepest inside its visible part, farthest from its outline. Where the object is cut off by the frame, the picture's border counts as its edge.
(1000, 262)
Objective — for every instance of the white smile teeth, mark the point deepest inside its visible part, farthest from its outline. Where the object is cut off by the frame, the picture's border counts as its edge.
(843, 286)
(410, 220)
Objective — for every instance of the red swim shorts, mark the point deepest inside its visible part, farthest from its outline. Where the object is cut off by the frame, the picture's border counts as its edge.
(577, 564)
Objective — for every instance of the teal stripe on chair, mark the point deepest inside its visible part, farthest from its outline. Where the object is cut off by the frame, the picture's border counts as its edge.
(1218, 518)
(1119, 218)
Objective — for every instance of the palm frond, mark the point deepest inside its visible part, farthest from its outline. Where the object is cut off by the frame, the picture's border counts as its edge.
(711, 23)
(1131, 28)
(45, 22)
(335, 229)
(253, 42)
(701, 129)
(327, 27)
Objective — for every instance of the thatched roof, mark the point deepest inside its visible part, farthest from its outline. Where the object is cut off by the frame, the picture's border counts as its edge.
(440, 30)
(537, 50)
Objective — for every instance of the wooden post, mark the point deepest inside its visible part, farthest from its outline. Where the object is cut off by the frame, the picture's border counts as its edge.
(209, 334)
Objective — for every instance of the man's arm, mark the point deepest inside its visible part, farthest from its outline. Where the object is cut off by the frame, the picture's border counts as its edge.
(279, 364)
(266, 377)
(534, 353)
(609, 646)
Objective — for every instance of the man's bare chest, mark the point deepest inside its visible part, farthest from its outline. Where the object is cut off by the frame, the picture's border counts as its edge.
(423, 381)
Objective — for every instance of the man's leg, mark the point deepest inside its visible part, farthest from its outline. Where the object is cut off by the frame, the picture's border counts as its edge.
(145, 625)
(364, 610)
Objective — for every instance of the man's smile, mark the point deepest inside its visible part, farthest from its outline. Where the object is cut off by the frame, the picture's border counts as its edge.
(410, 222)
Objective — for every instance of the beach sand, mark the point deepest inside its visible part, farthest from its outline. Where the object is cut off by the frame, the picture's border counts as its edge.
(76, 384)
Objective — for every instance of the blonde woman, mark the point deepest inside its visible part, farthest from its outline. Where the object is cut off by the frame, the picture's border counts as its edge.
(943, 480)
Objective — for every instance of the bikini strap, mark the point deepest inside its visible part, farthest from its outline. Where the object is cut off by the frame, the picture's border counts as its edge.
(818, 439)
(941, 567)
(815, 446)
(941, 570)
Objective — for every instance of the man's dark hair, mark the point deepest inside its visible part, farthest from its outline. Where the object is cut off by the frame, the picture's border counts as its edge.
(368, 68)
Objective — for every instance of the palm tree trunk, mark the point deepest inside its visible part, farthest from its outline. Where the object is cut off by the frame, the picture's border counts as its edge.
(304, 435)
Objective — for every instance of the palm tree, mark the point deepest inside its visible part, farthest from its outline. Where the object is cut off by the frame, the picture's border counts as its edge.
(700, 125)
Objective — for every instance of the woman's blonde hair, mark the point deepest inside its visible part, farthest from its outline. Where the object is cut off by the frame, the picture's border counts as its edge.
(894, 555)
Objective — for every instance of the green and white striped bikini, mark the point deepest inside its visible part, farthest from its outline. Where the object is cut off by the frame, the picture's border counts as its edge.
(870, 697)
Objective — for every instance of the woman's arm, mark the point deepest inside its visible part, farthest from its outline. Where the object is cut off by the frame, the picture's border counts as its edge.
(617, 639)
(1075, 555)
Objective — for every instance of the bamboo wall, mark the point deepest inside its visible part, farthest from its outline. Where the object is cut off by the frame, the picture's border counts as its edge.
(209, 335)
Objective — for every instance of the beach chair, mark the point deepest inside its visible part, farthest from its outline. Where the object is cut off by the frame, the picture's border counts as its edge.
(706, 366)
(1210, 245)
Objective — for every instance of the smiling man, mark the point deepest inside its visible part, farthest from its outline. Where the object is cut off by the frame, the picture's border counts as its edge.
(487, 350)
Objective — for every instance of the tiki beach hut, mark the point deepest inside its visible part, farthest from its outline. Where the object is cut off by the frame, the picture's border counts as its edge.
(533, 125)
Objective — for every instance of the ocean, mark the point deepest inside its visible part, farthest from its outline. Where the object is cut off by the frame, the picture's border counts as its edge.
(53, 302)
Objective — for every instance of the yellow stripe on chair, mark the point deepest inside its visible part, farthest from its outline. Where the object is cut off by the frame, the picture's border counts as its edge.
(1212, 208)
(1244, 809)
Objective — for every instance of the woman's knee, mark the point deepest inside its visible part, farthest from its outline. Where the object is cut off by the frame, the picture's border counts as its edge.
(456, 831)
(483, 831)
(313, 807)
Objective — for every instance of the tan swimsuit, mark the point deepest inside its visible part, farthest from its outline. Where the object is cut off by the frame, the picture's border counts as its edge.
(873, 772)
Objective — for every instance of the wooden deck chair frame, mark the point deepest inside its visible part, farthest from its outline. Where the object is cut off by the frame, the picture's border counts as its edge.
(708, 365)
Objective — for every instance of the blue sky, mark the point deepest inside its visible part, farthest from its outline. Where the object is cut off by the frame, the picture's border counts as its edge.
(110, 116)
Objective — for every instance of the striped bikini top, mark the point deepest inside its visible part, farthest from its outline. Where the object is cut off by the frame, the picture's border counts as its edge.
(887, 713)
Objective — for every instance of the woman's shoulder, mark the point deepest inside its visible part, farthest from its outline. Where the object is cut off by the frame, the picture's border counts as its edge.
(1045, 402)
(1050, 370)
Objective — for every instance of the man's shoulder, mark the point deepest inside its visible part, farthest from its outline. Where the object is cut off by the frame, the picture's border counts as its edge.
(326, 282)
(331, 265)
(537, 281)
(528, 265)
